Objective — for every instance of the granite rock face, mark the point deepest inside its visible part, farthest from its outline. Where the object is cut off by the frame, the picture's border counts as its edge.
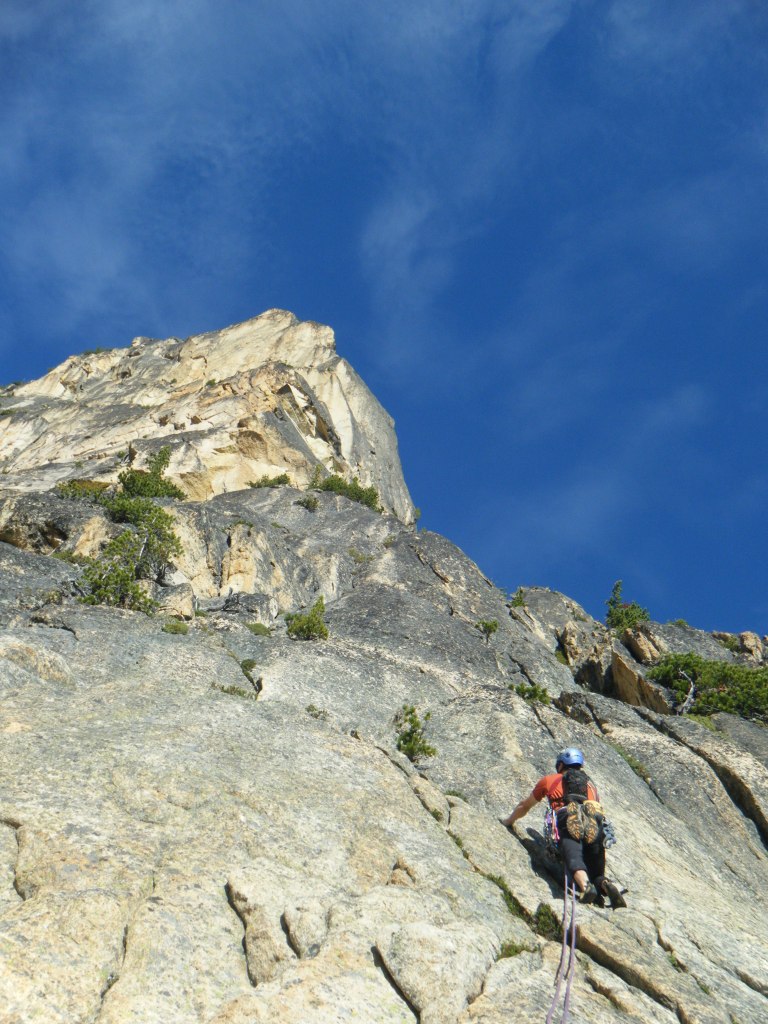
(264, 397)
(218, 827)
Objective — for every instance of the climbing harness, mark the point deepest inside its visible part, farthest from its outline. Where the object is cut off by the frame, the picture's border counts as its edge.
(565, 971)
(551, 833)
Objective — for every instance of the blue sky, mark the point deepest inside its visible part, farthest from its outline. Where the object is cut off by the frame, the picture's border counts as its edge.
(538, 229)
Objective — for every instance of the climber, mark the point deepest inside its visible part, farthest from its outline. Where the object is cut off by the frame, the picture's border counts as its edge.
(578, 821)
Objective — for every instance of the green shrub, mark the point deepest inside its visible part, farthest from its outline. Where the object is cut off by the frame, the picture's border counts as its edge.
(319, 713)
(259, 629)
(730, 643)
(154, 526)
(142, 552)
(560, 656)
(310, 626)
(513, 905)
(246, 667)
(338, 485)
(239, 522)
(677, 964)
(390, 541)
(459, 842)
(719, 685)
(411, 740)
(112, 578)
(309, 502)
(546, 923)
(622, 615)
(358, 557)
(7, 412)
(637, 766)
(517, 599)
(677, 622)
(235, 691)
(81, 490)
(487, 627)
(149, 483)
(271, 481)
(532, 693)
(69, 556)
(174, 626)
(510, 949)
(704, 720)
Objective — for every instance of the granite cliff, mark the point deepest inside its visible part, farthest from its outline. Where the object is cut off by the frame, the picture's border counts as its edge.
(216, 826)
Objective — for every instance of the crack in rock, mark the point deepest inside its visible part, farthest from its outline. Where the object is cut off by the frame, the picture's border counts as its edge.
(761, 987)
(738, 791)
(114, 976)
(378, 962)
(237, 909)
(265, 940)
(15, 827)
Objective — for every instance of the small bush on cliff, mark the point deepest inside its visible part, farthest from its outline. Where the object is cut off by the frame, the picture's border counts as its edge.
(338, 485)
(411, 740)
(145, 549)
(176, 627)
(719, 685)
(532, 693)
(487, 627)
(150, 483)
(154, 526)
(112, 578)
(271, 481)
(309, 502)
(81, 490)
(517, 599)
(259, 629)
(622, 615)
(310, 626)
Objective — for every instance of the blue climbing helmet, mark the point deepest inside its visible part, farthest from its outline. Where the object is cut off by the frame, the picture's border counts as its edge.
(571, 757)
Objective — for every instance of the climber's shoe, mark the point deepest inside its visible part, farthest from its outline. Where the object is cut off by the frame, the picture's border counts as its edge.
(573, 821)
(590, 894)
(614, 894)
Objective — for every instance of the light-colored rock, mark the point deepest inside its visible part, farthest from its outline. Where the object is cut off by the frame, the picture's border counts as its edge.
(439, 970)
(263, 397)
(644, 648)
(177, 601)
(218, 827)
(752, 645)
(633, 687)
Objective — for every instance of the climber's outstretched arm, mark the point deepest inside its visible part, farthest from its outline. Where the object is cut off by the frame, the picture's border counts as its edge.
(520, 811)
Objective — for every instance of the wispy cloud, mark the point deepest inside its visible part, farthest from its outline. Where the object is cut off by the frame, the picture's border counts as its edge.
(579, 507)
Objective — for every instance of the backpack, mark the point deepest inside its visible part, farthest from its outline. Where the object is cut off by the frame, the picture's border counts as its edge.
(584, 816)
(575, 783)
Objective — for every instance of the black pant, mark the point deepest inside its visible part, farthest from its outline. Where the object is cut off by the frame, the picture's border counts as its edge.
(581, 856)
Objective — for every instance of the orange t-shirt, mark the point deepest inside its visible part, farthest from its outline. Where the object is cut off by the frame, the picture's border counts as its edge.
(551, 787)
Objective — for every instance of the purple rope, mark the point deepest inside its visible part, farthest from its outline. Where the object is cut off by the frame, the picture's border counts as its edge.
(571, 961)
(559, 975)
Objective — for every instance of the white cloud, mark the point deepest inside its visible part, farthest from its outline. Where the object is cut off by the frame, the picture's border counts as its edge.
(655, 33)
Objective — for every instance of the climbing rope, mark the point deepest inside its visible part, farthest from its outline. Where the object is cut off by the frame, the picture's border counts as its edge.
(565, 971)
